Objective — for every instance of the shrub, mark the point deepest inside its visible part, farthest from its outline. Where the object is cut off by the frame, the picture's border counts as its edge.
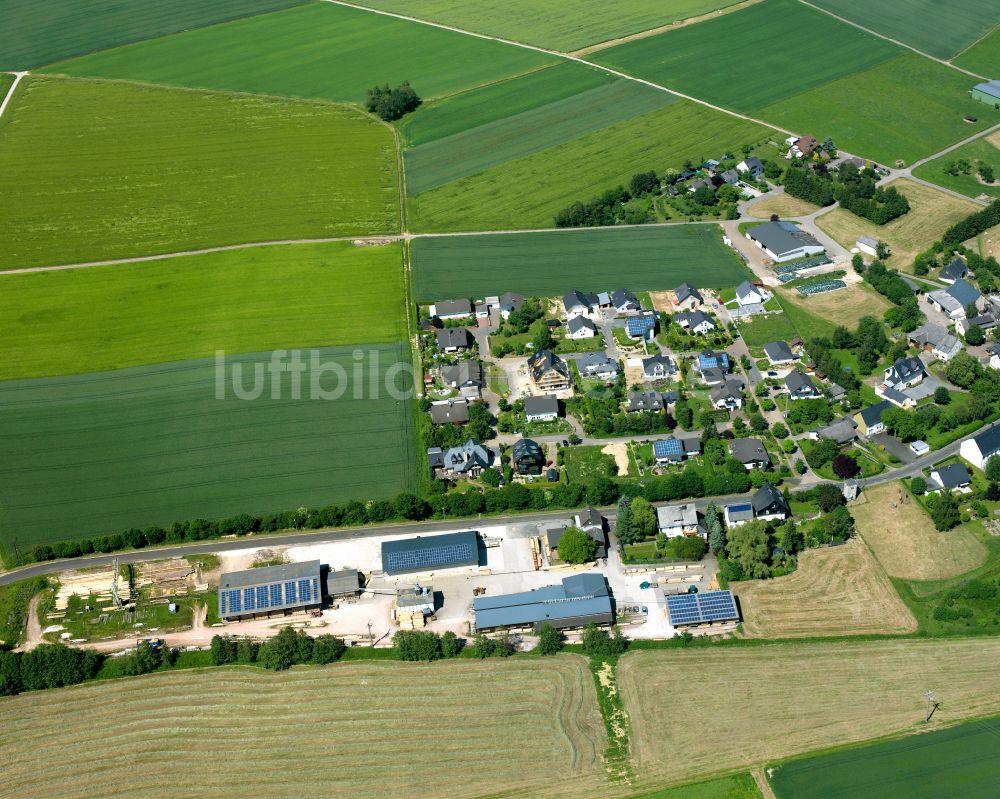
(918, 486)
(598, 643)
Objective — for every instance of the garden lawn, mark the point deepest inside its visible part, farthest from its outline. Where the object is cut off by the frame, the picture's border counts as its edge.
(92, 171)
(319, 50)
(776, 38)
(941, 29)
(88, 320)
(983, 56)
(905, 109)
(530, 191)
(38, 32)
(584, 463)
(98, 453)
(760, 330)
(981, 151)
(478, 149)
(498, 101)
(565, 26)
(537, 264)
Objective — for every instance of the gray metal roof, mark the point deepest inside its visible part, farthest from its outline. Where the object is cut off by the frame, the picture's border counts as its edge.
(541, 405)
(425, 553)
(963, 292)
(578, 600)
(990, 87)
(344, 581)
(782, 237)
(282, 587)
(270, 574)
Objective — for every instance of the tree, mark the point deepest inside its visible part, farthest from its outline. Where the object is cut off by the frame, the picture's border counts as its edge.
(945, 512)
(942, 396)
(828, 497)
(974, 335)
(390, 104)
(643, 518)
(451, 644)
(918, 486)
(576, 546)
(223, 650)
(327, 649)
(993, 491)
(687, 547)
(789, 537)
(748, 546)
(490, 477)
(716, 530)
(779, 430)
(624, 528)
(858, 262)
(417, 645)
(758, 423)
(283, 650)
(597, 643)
(644, 183)
(992, 469)
(845, 466)
(550, 640)
(986, 172)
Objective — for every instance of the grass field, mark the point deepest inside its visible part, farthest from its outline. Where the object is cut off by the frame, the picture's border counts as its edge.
(102, 452)
(528, 192)
(818, 314)
(986, 150)
(491, 145)
(941, 30)
(987, 243)
(931, 213)
(775, 38)
(39, 33)
(157, 170)
(779, 700)
(110, 317)
(983, 57)
(904, 540)
(5, 84)
(784, 205)
(498, 101)
(319, 50)
(563, 26)
(540, 264)
(738, 786)
(835, 591)
(960, 760)
(759, 330)
(906, 108)
(351, 748)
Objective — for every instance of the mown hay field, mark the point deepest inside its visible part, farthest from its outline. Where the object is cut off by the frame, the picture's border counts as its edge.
(981, 151)
(835, 591)
(983, 57)
(99, 453)
(565, 26)
(784, 205)
(92, 170)
(528, 192)
(491, 145)
(540, 264)
(110, 317)
(778, 700)
(342, 730)
(319, 50)
(939, 29)
(841, 307)
(42, 32)
(931, 213)
(958, 761)
(903, 537)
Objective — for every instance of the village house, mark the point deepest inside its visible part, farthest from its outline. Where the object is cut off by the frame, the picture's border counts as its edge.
(642, 326)
(954, 477)
(750, 452)
(778, 353)
(510, 302)
(466, 460)
(624, 301)
(843, 431)
(800, 386)
(752, 166)
(749, 294)
(548, 371)
(659, 367)
(936, 340)
(695, 321)
(980, 448)
(956, 270)
(451, 309)
(541, 409)
(869, 419)
(678, 520)
(580, 327)
(454, 339)
(728, 396)
(985, 322)
(578, 303)
(466, 376)
(668, 450)
(527, 457)
(452, 411)
(954, 300)
(597, 365)
(687, 297)
(769, 504)
(643, 401)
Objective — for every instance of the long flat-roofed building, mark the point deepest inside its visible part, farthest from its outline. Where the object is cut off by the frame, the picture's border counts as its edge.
(580, 600)
(272, 589)
(427, 553)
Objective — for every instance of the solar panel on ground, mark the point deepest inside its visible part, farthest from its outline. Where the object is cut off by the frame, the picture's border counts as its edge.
(713, 606)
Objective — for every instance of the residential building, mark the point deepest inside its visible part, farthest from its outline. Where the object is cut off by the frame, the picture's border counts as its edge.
(738, 513)
(953, 271)
(579, 600)
(643, 401)
(868, 246)
(800, 386)
(835, 392)
(953, 477)
(987, 92)
(527, 457)
(452, 411)
(708, 359)
(659, 367)
(783, 241)
(802, 147)
(281, 589)
(591, 521)
(677, 520)
(430, 553)
(779, 353)
(695, 321)
(597, 365)
(483, 309)
(985, 322)
(454, 339)
(936, 340)
(691, 445)
(751, 166)
(578, 303)
(642, 326)
(870, 419)
(730, 176)
(728, 396)
(749, 294)
(541, 409)
(466, 376)
(465, 460)
(548, 371)
(904, 373)
(624, 301)
(994, 351)
(750, 452)
(843, 431)
(451, 309)
(954, 300)
(687, 297)
(510, 302)
(580, 327)
(604, 300)
(668, 450)
(554, 535)
(769, 504)
(979, 449)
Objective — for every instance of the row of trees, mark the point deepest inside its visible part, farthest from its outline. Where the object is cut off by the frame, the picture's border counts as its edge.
(972, 226)
(288, 648)
(46, 666)
(856, 190)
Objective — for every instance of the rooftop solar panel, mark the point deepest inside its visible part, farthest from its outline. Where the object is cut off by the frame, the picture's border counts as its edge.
(713, 606)
(434, 552)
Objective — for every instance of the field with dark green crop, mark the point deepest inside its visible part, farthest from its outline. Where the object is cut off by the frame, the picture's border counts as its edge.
(319, 50)
(958, 761)
(111, 317)
(42, 32)
(547, 264)
(101, 452)
(110, 170)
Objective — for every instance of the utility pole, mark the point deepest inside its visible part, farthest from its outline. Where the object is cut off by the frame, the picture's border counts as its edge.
(932, 705)
(371, 638)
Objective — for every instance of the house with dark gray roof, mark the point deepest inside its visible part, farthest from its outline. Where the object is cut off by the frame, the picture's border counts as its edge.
(953, 271)
(936, 340)
(554, 535)
(454, 339)
(687, 296)
(625, 301)
(695, 321)
(749, 294)
(843, 431)
(728, 396)
(510, 302)
(643, 401)
(730, 176)
(750, 452)
(548, 371)
(801, 386)
(904, 373)
(954, 300)
(659, 367)
(465, 460)
(783, 241)
(985, 322)
(752, 166)
(779, 353)
(541, 409)
(769, 504)
(597, 365)
(452, 411)
(870, 419)
(953, 477)
(451, 309)
(980, 448)
(527, 457)
(466, 376)
(580, 327)
(577, 303)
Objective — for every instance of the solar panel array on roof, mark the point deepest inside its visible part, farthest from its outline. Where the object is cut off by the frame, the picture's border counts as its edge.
(283, 587)
(433, 552)
(666, 447)
(713, 606)
(640, 325)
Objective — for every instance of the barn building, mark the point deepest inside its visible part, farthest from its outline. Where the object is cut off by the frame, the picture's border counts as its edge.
(271, 590)
(702, 610)
(580, 600)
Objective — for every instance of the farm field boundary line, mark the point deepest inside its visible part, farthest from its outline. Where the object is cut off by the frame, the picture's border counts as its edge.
(10, 92)
(890, 39)
(982, 38)
(950, 148)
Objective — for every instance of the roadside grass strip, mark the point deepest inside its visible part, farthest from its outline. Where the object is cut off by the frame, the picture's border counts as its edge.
(320, 50)
(92, 170)
(98, 453)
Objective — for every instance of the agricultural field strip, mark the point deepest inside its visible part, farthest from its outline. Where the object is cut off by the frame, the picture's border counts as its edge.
(984, 55)
(7, 86)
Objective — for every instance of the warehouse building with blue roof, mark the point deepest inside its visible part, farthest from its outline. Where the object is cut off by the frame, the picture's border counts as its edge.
(579, 600)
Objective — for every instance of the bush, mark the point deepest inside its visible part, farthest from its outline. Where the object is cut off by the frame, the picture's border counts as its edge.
(576, 546)
(845, 466)
(598, 643)
(501, 646)
(417, 645)
(390, 104)
(550, 640)
(828, 497)
(918, 486)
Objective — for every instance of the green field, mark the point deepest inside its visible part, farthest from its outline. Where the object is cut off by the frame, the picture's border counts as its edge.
(445, 160)
(763, 329)
(738, 786)
(980, 150)
(528, 192)
(5, 83)
(958, 761)
(983, 57)
(92, 170)
(110, 317)
(566, 26)
(97, 453)
(772, 43)
(941, 29)
(498, 101)
(319, 50)
(550, 264)
(41, 32)
(906, 108)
